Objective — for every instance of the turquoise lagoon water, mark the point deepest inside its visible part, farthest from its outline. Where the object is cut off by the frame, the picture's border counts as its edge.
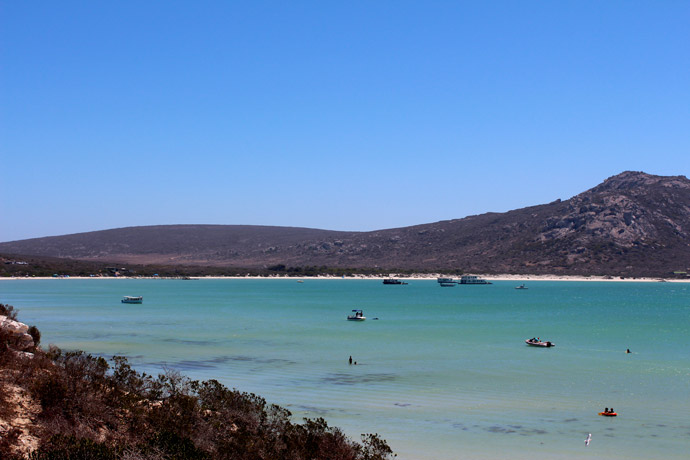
(444, 373)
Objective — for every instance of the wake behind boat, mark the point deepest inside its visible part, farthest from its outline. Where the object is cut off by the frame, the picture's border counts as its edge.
(538, 343)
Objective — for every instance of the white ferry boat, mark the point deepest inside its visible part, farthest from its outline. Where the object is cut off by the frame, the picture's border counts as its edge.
(473, 279)
(132, 299)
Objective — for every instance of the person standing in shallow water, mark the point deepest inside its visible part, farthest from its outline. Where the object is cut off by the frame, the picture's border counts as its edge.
(350, 359)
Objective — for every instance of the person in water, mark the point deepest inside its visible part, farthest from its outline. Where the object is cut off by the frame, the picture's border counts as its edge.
(628, 351)
(350, 359)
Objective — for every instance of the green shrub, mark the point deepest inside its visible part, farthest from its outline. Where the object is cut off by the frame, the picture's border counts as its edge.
(71, 448)
(35, 334)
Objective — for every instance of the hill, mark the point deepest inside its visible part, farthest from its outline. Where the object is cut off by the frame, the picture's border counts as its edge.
(633, 224)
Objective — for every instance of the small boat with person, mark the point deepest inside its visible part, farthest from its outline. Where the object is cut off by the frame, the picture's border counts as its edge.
(538, 343)
(522, 286)
(132, 299)
(358, 316)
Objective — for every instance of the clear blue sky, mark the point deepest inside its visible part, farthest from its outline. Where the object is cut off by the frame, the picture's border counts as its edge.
(336, 115)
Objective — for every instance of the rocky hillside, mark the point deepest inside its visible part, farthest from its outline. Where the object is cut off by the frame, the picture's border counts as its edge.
(632, 224)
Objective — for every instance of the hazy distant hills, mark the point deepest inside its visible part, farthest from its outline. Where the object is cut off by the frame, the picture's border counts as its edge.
(632, 224)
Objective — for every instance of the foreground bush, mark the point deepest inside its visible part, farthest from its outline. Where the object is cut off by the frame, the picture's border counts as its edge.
(93, 409)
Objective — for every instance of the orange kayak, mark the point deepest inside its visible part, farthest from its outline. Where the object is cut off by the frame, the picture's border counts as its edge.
(608, 414)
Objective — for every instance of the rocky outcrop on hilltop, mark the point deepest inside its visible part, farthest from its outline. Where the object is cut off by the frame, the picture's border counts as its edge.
(632, 224)
(634, 216)
(628, 210)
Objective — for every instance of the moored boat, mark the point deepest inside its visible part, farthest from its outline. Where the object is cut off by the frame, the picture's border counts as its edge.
(448, 284)
(132, 299)
(522, 286)
(392, 281)
(473, 279)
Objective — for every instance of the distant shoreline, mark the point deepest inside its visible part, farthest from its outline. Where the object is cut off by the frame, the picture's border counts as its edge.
(504, 277)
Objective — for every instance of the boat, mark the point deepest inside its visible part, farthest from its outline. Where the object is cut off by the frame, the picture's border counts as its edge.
(358, 316)
(448, 284)
(392, 281)
(522, 286)
(473, 279)
(444, 280)
(132, 299)
(608, 414)
(538, 343)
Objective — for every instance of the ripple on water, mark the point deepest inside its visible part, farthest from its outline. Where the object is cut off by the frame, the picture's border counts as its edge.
(213, 363)
(354, 379)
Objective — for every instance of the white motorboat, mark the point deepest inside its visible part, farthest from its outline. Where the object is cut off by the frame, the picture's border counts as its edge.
(357, 316)
(538, 343)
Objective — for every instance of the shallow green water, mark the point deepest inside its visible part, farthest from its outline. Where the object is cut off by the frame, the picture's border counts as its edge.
(442, 374)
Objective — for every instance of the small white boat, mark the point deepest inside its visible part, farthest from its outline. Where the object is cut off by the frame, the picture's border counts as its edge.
(132, 299)
(538, 343)
(358, 316)
(522, 286)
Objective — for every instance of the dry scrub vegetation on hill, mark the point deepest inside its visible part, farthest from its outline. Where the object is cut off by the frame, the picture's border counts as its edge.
(633, 224)
(71, 405)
